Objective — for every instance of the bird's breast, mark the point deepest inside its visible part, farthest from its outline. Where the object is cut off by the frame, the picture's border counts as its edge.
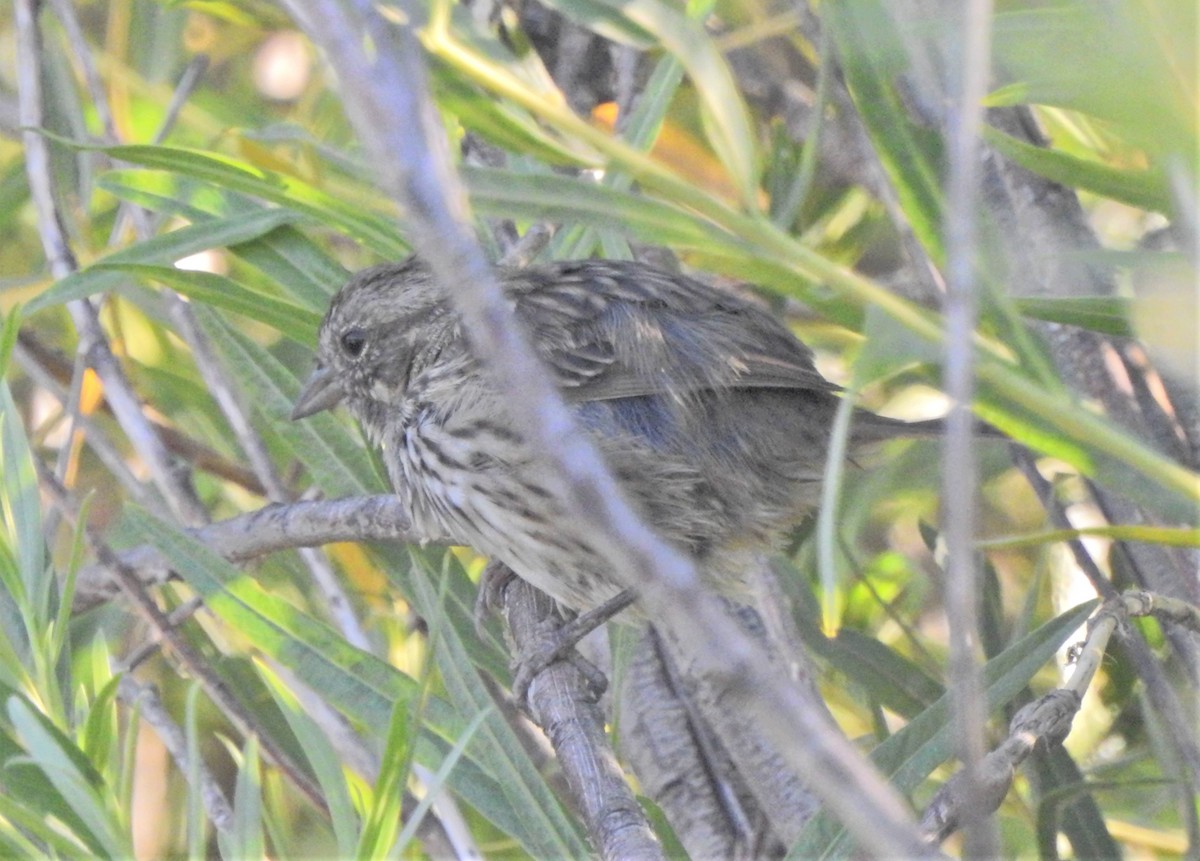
(474, 483)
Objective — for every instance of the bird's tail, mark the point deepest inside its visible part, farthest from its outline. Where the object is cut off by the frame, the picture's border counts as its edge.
(867, 427)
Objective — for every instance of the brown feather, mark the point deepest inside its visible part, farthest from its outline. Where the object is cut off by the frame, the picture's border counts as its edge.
(613, 331)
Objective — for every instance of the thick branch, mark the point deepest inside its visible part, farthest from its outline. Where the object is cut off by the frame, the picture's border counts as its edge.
(275, 527)
(565, 707)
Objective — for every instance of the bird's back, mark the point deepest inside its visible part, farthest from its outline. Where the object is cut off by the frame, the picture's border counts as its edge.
(708, 411)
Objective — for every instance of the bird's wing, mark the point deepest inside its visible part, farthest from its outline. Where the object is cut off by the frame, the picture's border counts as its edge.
(617, 330)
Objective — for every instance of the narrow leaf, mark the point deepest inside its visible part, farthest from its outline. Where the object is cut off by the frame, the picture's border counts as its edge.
(21, 512)
(1106, 314)
(230, 173)
(221, 292)
(294, 261)
(908, 756)
(543, 197)
(360, 685)
(1139, 188)
(323, 759)
(72, 775)
(166, 249)
(544, 829)
(335, 458)
(246, 841)
(728, 122)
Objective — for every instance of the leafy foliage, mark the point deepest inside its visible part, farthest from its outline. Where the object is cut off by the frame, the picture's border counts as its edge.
(255, 206)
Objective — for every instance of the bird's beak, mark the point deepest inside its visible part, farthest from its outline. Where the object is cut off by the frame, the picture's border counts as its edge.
(322, 391)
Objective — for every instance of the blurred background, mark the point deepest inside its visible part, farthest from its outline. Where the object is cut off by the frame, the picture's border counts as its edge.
(211, 193)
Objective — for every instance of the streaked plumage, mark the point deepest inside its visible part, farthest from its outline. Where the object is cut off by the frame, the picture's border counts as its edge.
(709, 412)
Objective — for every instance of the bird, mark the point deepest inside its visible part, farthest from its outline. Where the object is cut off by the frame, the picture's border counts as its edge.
(707, 410)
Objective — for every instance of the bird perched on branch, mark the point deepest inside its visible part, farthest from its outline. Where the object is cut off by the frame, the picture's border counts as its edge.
(708, 412)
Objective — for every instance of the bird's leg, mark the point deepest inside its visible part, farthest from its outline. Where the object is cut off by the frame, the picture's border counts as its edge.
(489, 597)
(557, 641)
(748, 837)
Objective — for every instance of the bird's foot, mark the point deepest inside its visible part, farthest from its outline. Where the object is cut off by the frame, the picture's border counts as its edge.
(553, 640)
(557, 642)
(489, 597)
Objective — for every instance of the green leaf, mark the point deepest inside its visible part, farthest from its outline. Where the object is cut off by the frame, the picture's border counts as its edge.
(545, 197)
(1143, 189)
(874, 59)
(1091, 443)
(20, 822)
(101, 728)
(888, 347)
(501, 123)
(79, 784)
(434, 786)
(1130, 63)
(360, 685)
(323, 759)
(174, 194)
(196, 821)
(14, 191)
(889, 678)
(337, 460)
(381, 823)
(39, 803)
(609, 21)
(21, 512)
(289, 257)
(874, 50)
(225, 172)
(911, 754)
(1067, 801)
(544, 828)
(1106, 314)
(326, 661)
(8, 336)
(292, 320)
(165, 249)
(297, 264)
(246, 839)
(639, 129)
(59, 635)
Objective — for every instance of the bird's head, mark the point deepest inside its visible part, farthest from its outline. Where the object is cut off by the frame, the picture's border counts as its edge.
(369, 341)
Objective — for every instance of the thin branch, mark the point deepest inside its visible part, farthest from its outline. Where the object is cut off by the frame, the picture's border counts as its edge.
(1179, 730)
(960, 469)
(92, 343)
(214, 686)
(93, 436)
(339, 606)
(136, 695)
(54, 366)
(127, 211)
(50, 226)
(337, 602)
(175, 618)
(1047, 720)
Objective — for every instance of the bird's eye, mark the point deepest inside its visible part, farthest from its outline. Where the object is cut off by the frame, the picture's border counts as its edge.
(353, 342)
